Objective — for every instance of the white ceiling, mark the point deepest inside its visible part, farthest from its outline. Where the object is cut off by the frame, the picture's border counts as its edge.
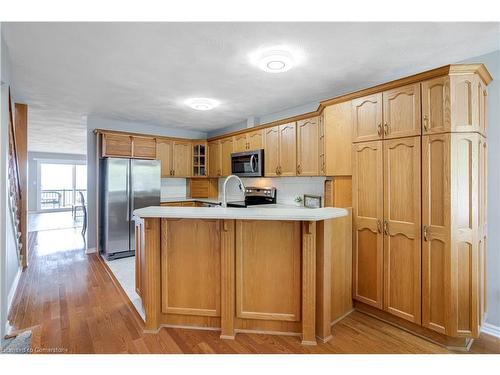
(143, 71)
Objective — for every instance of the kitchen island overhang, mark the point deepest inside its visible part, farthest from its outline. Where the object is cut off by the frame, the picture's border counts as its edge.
(239, 269)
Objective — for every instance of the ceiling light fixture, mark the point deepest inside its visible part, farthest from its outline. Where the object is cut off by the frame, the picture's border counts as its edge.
(202, 104)
(276, 59)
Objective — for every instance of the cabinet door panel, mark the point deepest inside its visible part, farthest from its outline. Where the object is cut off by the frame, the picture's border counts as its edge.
(308, 147)
(287, 149)
(240, 143)
(436, 115)
(402, 252)
(402, 111)
(144, 147)
(117, 145)
(182, 160)
(368, 214)
(214, 159)
(164, 154)
(226, 150)
(367, 118)
(254, 140)
(436, 207)
(338, 137)
(271, 151)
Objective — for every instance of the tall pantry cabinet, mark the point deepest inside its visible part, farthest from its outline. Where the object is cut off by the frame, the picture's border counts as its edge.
(419, 201)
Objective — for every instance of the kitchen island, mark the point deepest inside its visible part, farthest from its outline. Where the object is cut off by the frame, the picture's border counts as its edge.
(266, 270)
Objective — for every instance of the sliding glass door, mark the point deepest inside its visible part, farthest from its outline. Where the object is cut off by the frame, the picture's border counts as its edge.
(60, 184)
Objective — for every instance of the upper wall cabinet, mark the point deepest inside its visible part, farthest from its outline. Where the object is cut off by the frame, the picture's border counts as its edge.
(307, 147)
(117, 145)
(392, 114)
(226, 147)
(164, 154)
(337, 123)
(144, 147)
(248, 141)
(454, 103)
(280, 150)
(127, 146)
(367, 118)
(401, 111)
(214, 159)
(175, 157)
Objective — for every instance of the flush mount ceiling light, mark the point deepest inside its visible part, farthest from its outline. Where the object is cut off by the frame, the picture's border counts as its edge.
(202, 104)
(276, 59)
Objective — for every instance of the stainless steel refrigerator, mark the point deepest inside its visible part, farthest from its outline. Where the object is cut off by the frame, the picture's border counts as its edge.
(126, 185)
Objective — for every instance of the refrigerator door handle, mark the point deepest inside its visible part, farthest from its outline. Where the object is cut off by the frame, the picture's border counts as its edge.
(131, 202)
(128, 190)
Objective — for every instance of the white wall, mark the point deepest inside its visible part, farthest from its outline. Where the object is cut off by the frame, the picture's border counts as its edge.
(9, 266)
(173, 188)
(134, 127)
(492, 62)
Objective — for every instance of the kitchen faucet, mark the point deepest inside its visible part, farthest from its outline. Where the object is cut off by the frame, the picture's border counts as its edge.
(224, 193)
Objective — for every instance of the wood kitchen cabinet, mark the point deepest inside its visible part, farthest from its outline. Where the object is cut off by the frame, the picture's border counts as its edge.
(368, 216)
(116, 145)
(164, 154)
(128, 146)
(401, 227)
(367, 118)
(308, 147)
(175, 157)
(337, 123)
(226, 147)
(392, 114)
(248, 141)
(386, 209)
(214, 159)
(280, 150)
(454, 103)
(454, 245)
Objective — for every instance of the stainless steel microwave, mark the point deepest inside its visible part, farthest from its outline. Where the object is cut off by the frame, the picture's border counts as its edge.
(248, 163)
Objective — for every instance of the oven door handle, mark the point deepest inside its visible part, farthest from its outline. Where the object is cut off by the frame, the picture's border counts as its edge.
(252, 163)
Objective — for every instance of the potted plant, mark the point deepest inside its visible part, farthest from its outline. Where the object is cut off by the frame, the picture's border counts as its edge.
(298, 200)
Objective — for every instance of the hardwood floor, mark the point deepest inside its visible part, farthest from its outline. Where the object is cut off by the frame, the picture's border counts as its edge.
(71, 304)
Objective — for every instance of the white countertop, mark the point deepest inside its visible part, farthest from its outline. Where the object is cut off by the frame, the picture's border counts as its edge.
(184, 199)
(264, 212)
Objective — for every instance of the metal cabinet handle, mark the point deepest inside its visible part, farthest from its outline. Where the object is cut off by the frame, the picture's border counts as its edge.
(426, 123)
(386, 228)
(386, 128)
(299, 169)
(379, 226)
(379, 130)
(425, 228)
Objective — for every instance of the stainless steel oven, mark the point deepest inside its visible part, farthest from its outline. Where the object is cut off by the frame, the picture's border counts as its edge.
(248, 163)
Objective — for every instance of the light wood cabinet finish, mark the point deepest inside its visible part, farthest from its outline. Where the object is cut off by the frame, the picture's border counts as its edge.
(367, 118)
(454, 103)
(240, 142)
(118, 145)
(271, 151)
(452, 254)
(214, 159)
(226, 147)
(368, 212)
(164, 154)
(181, 159)
(190, 263)
(288, 149)
(264, 292)
(254, 140)
(144, 147)
(337, 139)
(436, 116)
(307, 147)
(401, 112)
(401, 226)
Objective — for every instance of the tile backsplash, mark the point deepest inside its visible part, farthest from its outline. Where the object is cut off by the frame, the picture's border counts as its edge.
(173, 187)
(287, 187)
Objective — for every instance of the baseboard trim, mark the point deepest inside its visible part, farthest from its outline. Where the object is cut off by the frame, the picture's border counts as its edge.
(490, 329)
(91, 250)
(13, 288)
